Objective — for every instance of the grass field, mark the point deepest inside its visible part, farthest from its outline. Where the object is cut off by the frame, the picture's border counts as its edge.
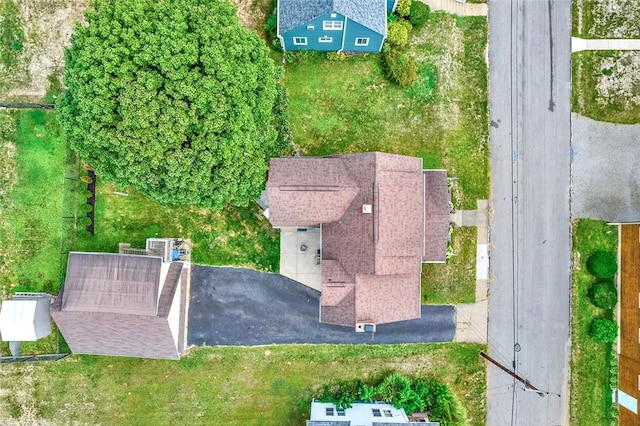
(235, 236)
(455, 281)
(32, 241)
(348, 106)
(267, 385)
(606, 86)
(590, 392)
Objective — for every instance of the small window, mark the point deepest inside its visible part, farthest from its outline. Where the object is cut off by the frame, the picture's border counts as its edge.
(311, 27)
(376, 412)
(387, 413)
(332, 25)
(325, 39)
(341, 411)
(333, 15)
(362, 41)
(329, 411)
(300, 41)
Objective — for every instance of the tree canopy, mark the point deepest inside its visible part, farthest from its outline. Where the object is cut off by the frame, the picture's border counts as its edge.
(175, 98)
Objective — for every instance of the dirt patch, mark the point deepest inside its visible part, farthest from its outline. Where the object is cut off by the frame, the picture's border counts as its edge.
(253, 13)
(608, 18)
(48, 25)
(619, 80)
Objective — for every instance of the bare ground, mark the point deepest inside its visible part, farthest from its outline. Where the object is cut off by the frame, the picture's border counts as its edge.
(253, 13)
(48, 25)
(619, 80)
(608, 18)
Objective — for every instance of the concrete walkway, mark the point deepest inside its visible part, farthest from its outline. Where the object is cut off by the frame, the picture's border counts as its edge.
(471, 318)
(579, 44)
(458, 8)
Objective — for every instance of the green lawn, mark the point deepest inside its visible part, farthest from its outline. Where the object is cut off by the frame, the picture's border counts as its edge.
(31, 240)
(606, 85)
(235, 236)
(590, 392)
(348, 106)
(270, 385)
(455, 281)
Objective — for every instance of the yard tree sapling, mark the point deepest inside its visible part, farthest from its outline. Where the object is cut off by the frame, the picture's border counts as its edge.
(175, 98)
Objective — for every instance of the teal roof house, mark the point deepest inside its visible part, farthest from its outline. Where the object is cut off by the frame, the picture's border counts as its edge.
(333, 25)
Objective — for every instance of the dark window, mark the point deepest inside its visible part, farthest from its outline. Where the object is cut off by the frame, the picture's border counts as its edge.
(376, 412)
(329, 411)
(341, 411)
(387, 413)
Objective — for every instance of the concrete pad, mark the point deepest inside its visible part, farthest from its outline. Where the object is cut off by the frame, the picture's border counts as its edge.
(471, 322)
(482, 262)
(483, 235)
(298, 264)
(482, 290)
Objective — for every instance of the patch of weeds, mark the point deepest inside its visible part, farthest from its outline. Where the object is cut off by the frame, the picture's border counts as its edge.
(55, 88)
(425, 86)
(13, 405)
(11, 34)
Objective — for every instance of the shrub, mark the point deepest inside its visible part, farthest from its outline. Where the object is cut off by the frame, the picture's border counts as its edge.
(603, 294)
(84, 221)
(603, 330)
(16, 45)
(86, 208)
(403, 8)
(411, 394)
(419, 14)
(602, 264)
(336, 56)
(399, 67)
(398, 33)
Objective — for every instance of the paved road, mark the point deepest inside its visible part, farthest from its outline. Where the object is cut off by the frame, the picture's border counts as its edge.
(235, 306)
(530, 116)
(605, 172)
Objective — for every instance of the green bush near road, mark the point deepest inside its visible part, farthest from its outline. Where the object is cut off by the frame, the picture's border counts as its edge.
(604, 295)
(604, 330)
(602, 264)
(590, 389)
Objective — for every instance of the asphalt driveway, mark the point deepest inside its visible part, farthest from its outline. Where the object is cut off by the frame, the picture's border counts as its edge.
(605, 171)
(236, 306)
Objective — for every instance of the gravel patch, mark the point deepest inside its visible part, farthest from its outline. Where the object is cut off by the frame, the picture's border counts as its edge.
(605, 170)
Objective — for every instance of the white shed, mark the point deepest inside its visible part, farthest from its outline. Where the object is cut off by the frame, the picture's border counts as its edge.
(25, 320)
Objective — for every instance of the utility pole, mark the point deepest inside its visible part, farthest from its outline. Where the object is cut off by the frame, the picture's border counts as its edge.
(513, 374)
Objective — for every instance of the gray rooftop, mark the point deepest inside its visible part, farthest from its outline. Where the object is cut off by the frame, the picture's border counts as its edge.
(370, 13)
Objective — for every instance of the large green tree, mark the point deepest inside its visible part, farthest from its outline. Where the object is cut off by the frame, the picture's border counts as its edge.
(175, 98)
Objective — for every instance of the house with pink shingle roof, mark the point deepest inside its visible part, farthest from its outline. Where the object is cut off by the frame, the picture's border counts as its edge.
(380, 215)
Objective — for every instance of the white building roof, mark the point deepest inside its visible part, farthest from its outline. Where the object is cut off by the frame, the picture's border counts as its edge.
(23, 320)
(360, 413)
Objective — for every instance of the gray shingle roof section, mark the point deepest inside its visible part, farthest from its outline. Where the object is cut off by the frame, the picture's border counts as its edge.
(370, 13)
(103, 282)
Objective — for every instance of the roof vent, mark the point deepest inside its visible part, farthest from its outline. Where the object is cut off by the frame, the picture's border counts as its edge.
(366, 208)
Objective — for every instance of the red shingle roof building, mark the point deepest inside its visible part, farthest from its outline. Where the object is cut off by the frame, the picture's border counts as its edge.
(121, 304)
(381, 216)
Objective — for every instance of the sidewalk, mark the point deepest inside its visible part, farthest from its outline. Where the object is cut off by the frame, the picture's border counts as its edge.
(453, 6)
(580, 44)
(471, 318)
